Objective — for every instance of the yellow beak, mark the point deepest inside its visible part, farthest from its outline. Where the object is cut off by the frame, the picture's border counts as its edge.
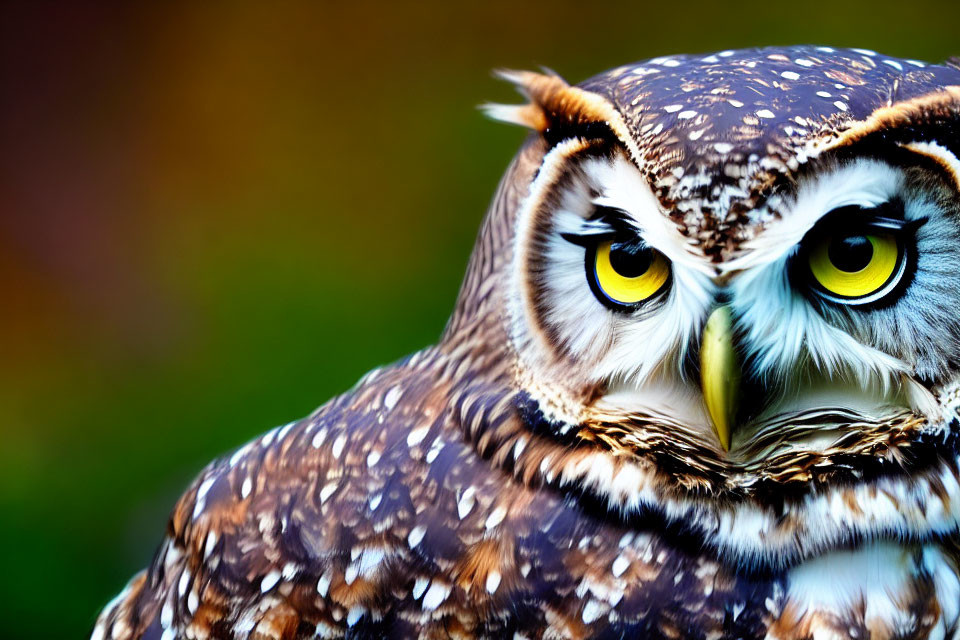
(720, 372)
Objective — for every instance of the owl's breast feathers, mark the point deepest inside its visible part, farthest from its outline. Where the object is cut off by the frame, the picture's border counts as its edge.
(375, 517)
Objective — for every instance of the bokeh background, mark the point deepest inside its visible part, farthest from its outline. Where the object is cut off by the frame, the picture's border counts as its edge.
(214, 216)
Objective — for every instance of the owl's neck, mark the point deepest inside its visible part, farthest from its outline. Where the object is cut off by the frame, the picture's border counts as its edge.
(508, 428)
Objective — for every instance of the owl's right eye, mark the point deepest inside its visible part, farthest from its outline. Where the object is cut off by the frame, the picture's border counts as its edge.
(625, 274)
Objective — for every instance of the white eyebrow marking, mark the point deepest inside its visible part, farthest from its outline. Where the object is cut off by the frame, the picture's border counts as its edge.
(867, 183)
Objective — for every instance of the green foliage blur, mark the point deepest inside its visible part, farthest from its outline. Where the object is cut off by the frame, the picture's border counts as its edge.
(215, 216)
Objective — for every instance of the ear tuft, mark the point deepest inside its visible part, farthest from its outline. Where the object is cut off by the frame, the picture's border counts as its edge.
(538, 88)
(553, 103)
(525, 115)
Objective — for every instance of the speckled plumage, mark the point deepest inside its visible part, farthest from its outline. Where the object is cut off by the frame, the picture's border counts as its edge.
(473, 491)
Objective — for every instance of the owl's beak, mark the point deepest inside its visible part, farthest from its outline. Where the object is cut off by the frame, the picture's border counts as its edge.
(720, 372)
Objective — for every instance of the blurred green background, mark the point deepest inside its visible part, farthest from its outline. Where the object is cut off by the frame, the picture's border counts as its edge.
(214, 216)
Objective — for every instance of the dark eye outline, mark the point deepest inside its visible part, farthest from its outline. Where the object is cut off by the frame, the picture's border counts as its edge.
(610, 224)
(855, 220)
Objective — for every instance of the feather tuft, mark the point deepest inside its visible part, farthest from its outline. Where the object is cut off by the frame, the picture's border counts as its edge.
(525, 115)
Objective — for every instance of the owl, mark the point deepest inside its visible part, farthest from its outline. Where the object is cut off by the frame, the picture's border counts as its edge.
(701, 382)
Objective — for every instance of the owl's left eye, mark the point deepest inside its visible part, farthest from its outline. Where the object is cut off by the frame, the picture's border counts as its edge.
(857, 265)
(624, 274)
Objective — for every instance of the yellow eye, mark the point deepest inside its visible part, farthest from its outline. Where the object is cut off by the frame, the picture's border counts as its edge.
(627, 273)
(855, 267)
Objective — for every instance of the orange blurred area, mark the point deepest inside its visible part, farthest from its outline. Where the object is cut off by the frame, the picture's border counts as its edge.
(214, 216)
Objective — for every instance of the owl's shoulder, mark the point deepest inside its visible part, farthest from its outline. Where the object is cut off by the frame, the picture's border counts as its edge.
(288, 508)
(300, 484)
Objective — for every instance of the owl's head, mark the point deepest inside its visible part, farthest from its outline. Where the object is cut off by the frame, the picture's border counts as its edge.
(730, 287)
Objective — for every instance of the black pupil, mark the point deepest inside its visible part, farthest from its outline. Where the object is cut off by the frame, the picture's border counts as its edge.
(850, 253)
(630, 259)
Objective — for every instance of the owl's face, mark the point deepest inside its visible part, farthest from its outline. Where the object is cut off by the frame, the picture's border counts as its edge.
(735, 283)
